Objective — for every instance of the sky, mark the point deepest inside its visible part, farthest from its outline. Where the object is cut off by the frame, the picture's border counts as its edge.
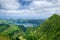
(29, 9)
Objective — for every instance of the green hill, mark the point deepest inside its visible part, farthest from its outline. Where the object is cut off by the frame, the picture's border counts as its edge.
(49, 30)
(10, 32)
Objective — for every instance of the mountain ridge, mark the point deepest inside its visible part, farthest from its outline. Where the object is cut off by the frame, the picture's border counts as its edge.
(50, 29)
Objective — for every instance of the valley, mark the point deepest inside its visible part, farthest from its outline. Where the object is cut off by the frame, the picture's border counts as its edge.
(30, 29)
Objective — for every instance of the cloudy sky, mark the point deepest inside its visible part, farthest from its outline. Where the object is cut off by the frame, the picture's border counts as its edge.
(29, 9)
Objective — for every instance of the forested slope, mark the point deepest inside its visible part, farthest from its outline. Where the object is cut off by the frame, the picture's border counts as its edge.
(49, 30)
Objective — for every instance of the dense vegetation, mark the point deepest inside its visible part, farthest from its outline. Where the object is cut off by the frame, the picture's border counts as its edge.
(48, 30)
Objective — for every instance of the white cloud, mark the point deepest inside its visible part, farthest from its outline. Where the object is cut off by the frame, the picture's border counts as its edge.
(45, 7)
(27, 0)
(9, 4)
(38, 5)
(37, 9)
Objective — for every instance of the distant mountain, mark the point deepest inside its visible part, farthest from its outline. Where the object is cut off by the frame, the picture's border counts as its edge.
(49, 30)
(25, 22)
(13, 28)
